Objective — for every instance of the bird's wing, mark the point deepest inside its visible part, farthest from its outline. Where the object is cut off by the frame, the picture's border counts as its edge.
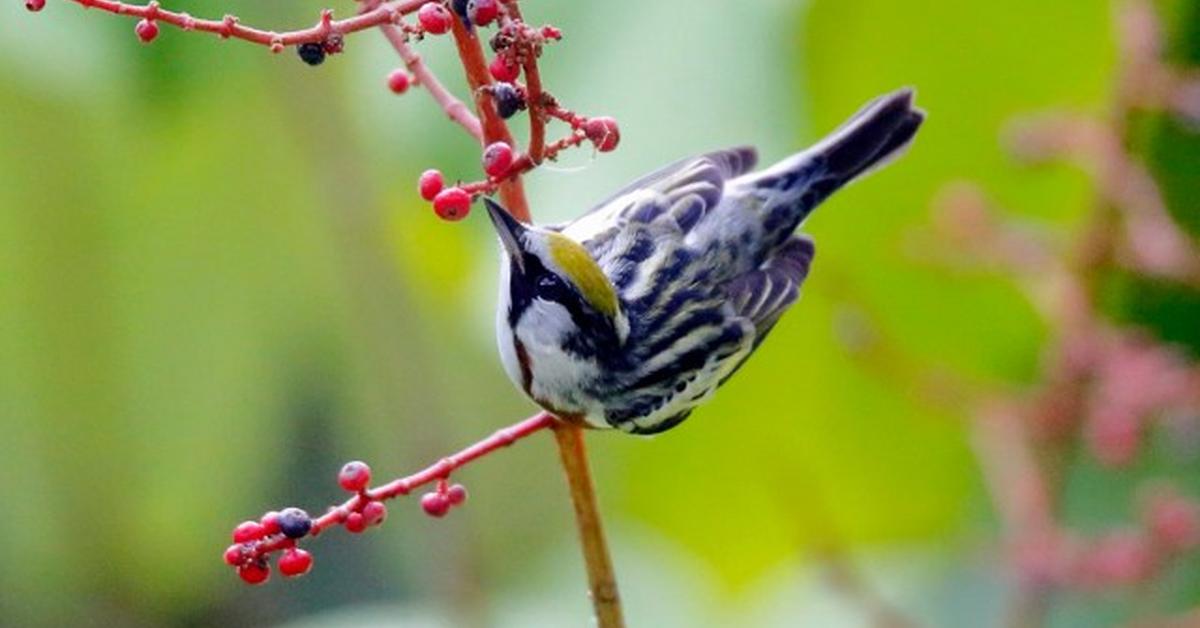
(684, 335)
(710, 170)
(682, 192)
(762, 295)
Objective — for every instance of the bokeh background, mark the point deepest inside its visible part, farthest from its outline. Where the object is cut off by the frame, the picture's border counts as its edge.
(217, 283)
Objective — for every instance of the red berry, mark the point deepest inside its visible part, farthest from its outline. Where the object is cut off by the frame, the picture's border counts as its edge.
(398, 81)
(434, 18)
(603, 132)
(354, 476)
(497, 159)
(355, 523)
(430, 184)
(248, 531)
(452, 204)
(504, 70)
(270, 523)
(482, 12)
(146, 30)
(254, 572)
(295, 562)
(235, 554)
(551, 32)
(435, 504)
(35, 5)
(457, 494)
(374, 513)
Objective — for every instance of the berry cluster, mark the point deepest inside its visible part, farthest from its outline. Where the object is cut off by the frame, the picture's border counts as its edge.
(276, 530)
(500, 163)
(516, 46)
(447, 496)
(509, 81)
(255, 541)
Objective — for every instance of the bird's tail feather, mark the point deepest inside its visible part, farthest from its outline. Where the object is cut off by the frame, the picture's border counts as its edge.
(872, 138)
(868, 140)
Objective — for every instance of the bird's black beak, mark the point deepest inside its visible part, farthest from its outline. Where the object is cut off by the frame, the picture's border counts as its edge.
(509, 229)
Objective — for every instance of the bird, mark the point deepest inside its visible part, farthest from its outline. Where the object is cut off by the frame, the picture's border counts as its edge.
(633, 314)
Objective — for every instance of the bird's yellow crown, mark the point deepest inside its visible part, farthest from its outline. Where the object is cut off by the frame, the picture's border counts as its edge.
(583, 271)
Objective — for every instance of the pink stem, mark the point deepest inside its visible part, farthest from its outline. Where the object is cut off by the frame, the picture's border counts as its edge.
(454, 108)
(228, 27)
(403, 486)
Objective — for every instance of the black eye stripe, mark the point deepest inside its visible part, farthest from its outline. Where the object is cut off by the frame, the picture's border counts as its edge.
(535, 281)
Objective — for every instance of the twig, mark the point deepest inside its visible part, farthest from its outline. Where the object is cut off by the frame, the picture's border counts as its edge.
(525, 164)
(602, 581)
(228, 27)
(454, 108)
(405, 485)
(534, 96)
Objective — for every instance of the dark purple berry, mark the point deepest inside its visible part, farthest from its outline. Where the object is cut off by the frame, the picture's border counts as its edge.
(508, 99)
(294, 523)
(311, 53)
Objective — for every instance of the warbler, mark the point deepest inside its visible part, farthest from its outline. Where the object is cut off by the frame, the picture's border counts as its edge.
(633, 314)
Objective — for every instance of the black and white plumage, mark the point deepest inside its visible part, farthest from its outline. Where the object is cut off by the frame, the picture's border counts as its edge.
(633, 314)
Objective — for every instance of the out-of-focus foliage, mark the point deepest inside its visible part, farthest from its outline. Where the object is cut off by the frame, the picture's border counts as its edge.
(217, 283)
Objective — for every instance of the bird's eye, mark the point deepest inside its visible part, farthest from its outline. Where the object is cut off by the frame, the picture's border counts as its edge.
(549, 282)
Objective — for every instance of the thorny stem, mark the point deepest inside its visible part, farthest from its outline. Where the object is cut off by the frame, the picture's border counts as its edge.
(602, 581)
(228, 27)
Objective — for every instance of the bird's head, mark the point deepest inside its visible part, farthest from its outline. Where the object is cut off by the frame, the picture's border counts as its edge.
(554, 278)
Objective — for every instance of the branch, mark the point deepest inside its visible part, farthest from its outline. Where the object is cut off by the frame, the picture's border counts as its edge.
(602, 581)
(228, 27)
(252, 548)
(512, 193)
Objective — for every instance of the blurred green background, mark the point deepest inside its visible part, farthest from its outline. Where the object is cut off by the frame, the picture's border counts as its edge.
(217, 283)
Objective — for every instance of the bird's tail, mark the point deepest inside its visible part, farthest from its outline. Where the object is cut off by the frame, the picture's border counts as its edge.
(871, 138)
